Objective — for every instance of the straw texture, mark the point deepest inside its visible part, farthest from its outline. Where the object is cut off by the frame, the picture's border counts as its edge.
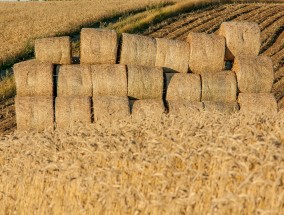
(254, 74)
(242, 38)
(173, 55)
(74, 80)
(109, 80)
(108, 108)
(72, 110)
(184, 87)
(257, 103)
(56, 50)
(148, 108)
(145, 82)
(220, 86)
(223, 107)
(34, 113)
(98, 46)
(34, 78)
(184, 107)
(138, 50)
(207, 52)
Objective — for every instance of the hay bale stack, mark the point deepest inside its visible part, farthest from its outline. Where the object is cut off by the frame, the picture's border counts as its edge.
(222, 107)
(110, 108)
(207, 52)
(145, 82)
(184, 107)
(173, 55)
(184, 87)
(74, 80)
(220, 86)
(257, 103)
(242, 38)
(254, 74)
(109, 80)
(71, 110)
(98, 46)
(138, 50)
(148, 108)
(55, 50)
(34, 78)
(34, 113)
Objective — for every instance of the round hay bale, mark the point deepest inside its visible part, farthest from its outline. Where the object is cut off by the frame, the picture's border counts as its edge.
(98, 46)
(138, 50)
(145, 82)
(223, 107)
(184, 107)
(34, 113)
(109, 80)
(207, 52)
(259, 103)
(74, 80)
(242, 38)
(55, 50)
(220, 86)
(184, 87)
(148, 108)
(71, 110)
(254, 74)
(34, 78)
(110, 108)
(172, 55)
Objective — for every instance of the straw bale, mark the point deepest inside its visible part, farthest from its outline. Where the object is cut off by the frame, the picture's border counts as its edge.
(98, 46)
(242, 38)
(220, 86)
(34, 78)
(184, 107)
(254, 74)
(207, 52)
(74, 80)
(148, 108)
(109, 108)
(184, 87)
(223, 106)
(173, 55)
(138, 50)
(34, 113)
(109, 80)
(71, 110)
(257, 103)
(145, 82)
(56, 50)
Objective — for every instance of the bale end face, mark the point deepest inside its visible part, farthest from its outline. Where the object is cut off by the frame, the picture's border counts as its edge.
(184, 107)
(148, 108)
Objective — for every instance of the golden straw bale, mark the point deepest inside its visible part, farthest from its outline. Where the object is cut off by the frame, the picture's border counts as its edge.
(184, 87)
(71, 110)
(34, 78)
(184, 107)
(98, 46)
(74, 80)
(207, 52)
(242, 38)
(138, 50)
(257, 103)
(173, 55)
(220, 86)
(109, 80)
(34, 113)
(254, 74)
(56, 50)
(223, 107)
(109, 108)
(148, 108)
(145, 82)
